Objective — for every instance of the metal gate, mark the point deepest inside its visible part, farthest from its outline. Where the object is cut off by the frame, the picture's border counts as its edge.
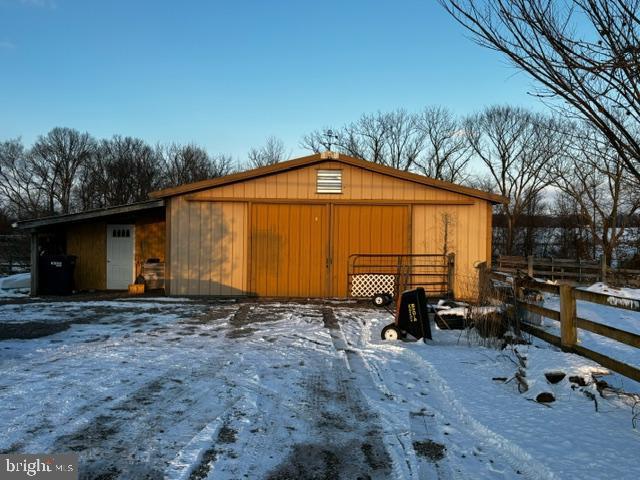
(370, 274)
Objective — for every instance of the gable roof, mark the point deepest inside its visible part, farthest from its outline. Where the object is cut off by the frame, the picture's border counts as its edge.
(323, 157)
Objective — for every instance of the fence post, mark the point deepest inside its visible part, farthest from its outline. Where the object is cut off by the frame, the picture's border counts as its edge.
(568, 322)
(518, 312)
(530, 265)
(579, 270)
(603, 268)
(34, 264)
(483, 282)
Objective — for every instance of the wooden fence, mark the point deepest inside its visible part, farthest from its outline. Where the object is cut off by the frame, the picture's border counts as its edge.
(578, 271)
(570, 322)
(14, 253)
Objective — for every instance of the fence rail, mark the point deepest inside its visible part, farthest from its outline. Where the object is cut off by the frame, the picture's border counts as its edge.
(570, 322)
(14, 253)
(579, 271)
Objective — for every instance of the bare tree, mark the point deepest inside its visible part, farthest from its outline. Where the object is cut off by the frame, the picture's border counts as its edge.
(528, 234)
(517, 148)
(366, 138)
(446, 150)
(21, 193)
(56, 158)
(124, 170)
(190, 163)
(585, 52)
(221, 165)
(598, 182)
(273, 151)
(317, 141)
(391, 139)
(404, 140)
(372, 131)
(571, 239)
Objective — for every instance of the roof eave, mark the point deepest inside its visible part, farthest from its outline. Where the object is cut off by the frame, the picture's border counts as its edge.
(88, 215)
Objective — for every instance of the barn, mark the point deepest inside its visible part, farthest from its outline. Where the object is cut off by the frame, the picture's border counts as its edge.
(324, 225)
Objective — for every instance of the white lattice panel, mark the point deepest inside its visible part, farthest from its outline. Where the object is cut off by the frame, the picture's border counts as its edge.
(366, 285)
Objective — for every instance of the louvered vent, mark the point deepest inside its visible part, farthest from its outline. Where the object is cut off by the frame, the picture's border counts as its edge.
(329, 181)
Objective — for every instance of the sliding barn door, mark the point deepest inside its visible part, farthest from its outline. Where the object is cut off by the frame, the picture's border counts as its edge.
(365, 229)
(289, 247)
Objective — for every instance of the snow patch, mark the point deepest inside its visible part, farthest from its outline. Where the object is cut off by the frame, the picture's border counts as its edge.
(15, 286)
(599, 287)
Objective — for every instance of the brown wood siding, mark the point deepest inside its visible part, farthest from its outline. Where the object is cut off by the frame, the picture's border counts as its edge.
(358, 184)
(167, 248)
(467, 238)
(365, 229)
(88, 242)
(489, 233)
(150, 239)
(289, 250)
(208, 248)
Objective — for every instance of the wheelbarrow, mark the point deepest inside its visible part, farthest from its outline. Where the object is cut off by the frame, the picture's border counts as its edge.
(411, 317)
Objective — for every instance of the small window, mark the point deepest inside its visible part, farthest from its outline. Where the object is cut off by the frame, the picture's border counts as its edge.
(329, 181)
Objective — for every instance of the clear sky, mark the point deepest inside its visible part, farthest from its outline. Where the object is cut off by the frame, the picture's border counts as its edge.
(227, 74)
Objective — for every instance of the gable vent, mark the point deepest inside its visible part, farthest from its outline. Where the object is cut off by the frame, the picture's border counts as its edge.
(329, 181)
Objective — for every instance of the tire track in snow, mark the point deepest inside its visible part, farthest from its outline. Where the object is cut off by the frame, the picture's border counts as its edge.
(400, 440)
(191, 456)
(341, 435)
(514, 456)
(404, 465)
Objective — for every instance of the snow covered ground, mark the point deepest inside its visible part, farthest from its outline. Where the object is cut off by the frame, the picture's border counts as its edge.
(15, 286)
(187, 390)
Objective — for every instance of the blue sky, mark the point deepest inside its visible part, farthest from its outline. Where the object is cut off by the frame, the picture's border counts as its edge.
(228, 74)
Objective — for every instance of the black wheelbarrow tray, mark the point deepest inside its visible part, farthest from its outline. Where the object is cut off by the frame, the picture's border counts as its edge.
(412, 317)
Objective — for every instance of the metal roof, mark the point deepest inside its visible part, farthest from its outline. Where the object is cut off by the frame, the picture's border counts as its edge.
(89, 214)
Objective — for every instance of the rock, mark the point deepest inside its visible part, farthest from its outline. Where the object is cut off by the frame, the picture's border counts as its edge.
(601, 385)
(545, 397)
(555, 377)
(429, 449)
(578, 381)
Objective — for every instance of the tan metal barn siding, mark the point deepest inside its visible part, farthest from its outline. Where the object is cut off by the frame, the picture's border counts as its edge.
(358, 184)
(365, 229)
(210, 230)
(208, 248)
(289, 246)
(467, 238)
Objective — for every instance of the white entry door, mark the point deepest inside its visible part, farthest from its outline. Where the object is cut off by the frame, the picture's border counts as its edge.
(120, 267)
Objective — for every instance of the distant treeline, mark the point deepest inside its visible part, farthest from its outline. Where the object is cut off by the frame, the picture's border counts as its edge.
(543, 165)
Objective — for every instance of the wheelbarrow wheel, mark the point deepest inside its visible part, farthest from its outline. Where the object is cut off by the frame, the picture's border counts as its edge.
(382, 299)
(390, 332)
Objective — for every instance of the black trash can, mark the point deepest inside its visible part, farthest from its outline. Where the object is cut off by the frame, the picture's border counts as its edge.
(56, 274)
